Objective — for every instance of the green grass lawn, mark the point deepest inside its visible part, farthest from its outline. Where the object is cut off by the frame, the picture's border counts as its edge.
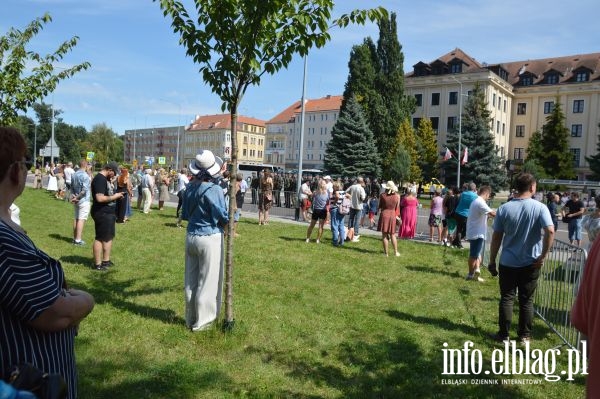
(312, 321)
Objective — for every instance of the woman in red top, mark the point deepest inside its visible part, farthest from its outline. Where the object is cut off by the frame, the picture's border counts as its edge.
(389, 204)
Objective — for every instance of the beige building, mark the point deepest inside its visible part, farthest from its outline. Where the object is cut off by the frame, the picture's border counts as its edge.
(213, 132)
(520, 96)
(283, 133)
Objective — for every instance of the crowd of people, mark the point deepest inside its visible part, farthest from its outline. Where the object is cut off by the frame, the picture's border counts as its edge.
(46, 315)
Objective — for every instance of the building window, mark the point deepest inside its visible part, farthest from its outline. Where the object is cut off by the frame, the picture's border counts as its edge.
(503, 128)
(577, 106)
(519, 153)
(452, 122)
(419, 99)
(493, 99)
(526, 81)
(456, 68)
(435, 121)
(552, 79)
(498, 127)
(416, 122)
(435, 98)
(504, 105)
(576, 153)
(576, 130)
(520, 131)
(244, 152)
(548, 107)
(582, 76)
(453, 97)
(521, 108)
(499, 103)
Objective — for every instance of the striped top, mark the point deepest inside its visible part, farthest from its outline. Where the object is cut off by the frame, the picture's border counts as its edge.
(30, 282)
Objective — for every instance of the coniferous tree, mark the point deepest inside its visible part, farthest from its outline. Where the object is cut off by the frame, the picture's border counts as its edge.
(376, 78)
(406, 140)
(535, 152)
(399, 170)
(557, 160)
(427, 150)
(594, 162)
(351, 150)
(484, 165)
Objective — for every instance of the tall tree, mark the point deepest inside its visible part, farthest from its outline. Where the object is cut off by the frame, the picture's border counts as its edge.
(104, 142)
(399, 170)
(25, 75)
(594, 161)
(351, 150)
(235, 42)
(376, 78)
(427, 150)
(557, 160)
(406, 141)
(535, 151)
(484, 165)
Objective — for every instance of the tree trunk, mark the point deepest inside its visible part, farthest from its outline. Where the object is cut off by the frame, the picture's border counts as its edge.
(229, 321)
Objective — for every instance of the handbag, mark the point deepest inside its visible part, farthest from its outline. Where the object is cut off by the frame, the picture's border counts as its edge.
(26, 377)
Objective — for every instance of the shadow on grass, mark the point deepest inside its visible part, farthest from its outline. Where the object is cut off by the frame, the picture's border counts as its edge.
(118, 295)
(433, 270)
(388, 368)
(77, 260)
(61, 238)
(442, 323)
(181, 379)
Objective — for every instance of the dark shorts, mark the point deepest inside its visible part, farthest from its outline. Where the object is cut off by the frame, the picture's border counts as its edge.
(105, 226)
(476, 248)
(319, 214)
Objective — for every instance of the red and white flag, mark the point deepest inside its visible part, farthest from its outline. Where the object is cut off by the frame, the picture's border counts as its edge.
(465, 157)
(447, 155)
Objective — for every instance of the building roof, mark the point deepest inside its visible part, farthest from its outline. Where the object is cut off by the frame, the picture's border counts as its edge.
(221, 121)
(566, 67)
(327, 103)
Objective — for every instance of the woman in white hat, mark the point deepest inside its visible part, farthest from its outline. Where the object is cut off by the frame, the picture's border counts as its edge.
(205, 210)
(389, 204)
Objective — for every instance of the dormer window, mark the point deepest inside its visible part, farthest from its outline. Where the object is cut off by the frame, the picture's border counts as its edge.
(552, 78)
(526, 81)
(582, 76)
(456, 68)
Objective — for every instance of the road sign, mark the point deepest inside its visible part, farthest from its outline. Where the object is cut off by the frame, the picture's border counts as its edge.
(90, 156)
(162, 160)
(135, 163)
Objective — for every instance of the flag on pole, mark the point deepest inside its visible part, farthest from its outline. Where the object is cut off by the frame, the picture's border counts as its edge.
(447, 155)
(465, 157)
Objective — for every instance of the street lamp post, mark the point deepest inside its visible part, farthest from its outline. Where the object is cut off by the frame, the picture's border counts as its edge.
(299, 179)
(459, 130)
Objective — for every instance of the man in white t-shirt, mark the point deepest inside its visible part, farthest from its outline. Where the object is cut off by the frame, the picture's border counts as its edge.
(477, 230)
(69, 172)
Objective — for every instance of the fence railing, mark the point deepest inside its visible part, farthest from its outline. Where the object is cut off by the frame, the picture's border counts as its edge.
(557, 289)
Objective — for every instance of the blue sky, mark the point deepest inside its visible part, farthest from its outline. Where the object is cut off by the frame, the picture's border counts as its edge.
(140, 76)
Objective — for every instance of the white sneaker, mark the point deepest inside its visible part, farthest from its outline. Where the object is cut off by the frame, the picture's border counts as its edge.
(355, 239)
(397, 253)
(476, 274)
(308, 240)
(478, 279)
(318, 241)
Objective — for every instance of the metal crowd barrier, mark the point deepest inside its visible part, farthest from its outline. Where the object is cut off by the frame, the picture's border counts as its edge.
(557, 289)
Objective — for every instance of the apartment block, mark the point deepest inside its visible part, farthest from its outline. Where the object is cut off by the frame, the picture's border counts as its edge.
(283, 133)
(159, 142)
(213, 132)
(520, 95)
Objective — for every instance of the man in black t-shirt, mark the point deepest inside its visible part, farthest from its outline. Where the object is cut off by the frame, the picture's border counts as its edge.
(103, 213)
(572, 213)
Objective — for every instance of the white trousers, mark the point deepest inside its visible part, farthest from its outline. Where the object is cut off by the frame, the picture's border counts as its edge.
(203, 285)
(146, 199)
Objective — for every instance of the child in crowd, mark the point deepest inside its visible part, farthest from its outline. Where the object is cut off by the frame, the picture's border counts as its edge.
(373, 205)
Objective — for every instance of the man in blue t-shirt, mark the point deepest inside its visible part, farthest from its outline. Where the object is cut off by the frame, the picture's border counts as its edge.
(80, 198)
(518, 227)
(461, 213)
